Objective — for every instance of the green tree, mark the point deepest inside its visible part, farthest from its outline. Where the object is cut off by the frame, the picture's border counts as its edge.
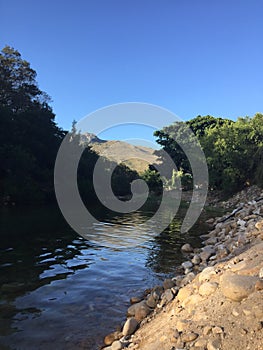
(18, 87)
(29, 136)
(234, 150)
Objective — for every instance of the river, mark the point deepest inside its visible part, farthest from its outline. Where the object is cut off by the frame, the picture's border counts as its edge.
(61, 291)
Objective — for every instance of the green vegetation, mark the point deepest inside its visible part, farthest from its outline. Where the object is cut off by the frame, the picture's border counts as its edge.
(234, 150)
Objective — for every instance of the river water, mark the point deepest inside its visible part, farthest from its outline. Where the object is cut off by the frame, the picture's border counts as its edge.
(61, 291)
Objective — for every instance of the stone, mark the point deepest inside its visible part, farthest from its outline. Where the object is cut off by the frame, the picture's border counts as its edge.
(135, 300)
(207, 330)
(211, 240)
(142, 311)
(201, 343)
(176, 334)
(166, 297)
(261, 273)
(116, 345)
(187, 265)
(187, 248)
(182, 325)
(196, 260)
(132, 309)
(130, 326)
(188, 278)
(206, 253)
(259, 285)
(184, 293)
(237, 287)
(259, 225)
(208, 288)
(206, 274)
(217, 330)
(222, 253)
(235, 313)
(190, 336)
(214, 344)
(110, 338)
(157, 291)
(168, 283)
(246, 312)
(152, 300)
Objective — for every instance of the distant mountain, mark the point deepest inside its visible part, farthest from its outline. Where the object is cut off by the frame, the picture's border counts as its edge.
(91, 138)
(135, 157)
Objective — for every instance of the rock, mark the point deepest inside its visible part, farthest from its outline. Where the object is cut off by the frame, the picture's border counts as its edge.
(130, 326)
(187, 248)
(152, 300)
(196, 260)
(206, 253)
(259, 225)
(207, 330)
(166, 297)
(110, 338)
(259, 285)
(201, 343)
(211, 240)
(157, 291)
(217, 330)
(184, 293)
(214, 344)
(237, 287)
(142, 311)
(188, 278)
(235, 313)
(222, 253)
(135, 300)
(187, 337)
(261, 273)
(246, 312)
(132, 309)
(116, 345)
(210, 221)
(176, 334)
(182, 325)
(187, 265)
(168, 283)
(206, 274)
(208, 288)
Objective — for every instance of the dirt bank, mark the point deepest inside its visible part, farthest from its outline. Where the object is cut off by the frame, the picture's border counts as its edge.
(217, 300)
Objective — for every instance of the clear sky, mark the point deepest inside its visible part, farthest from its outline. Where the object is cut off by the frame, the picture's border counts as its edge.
(189, 56)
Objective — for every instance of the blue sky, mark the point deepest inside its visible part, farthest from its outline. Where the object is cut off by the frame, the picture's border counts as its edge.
(191, 57)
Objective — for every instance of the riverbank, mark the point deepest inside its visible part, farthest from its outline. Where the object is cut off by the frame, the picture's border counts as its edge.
(215, 300)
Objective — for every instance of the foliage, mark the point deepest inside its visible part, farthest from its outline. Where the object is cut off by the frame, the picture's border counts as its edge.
(30, 139)
(29, 135)
(234, 150)
(153, 180)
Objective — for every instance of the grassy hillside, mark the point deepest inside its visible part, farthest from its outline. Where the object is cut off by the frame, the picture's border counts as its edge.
(135, 157)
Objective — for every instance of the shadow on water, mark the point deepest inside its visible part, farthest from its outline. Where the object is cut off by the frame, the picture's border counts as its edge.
(57, 287)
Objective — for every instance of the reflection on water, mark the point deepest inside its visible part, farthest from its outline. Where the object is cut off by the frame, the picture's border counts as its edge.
(60, 290)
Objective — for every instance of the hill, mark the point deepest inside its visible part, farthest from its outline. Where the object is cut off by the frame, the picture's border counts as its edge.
(135, 157)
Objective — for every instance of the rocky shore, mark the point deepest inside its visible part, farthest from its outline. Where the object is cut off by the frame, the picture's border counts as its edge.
(216, 299)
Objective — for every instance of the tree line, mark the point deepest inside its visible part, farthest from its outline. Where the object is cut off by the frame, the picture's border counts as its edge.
(233, 150)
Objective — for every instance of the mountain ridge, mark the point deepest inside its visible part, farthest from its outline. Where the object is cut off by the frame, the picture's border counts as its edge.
(134, 156)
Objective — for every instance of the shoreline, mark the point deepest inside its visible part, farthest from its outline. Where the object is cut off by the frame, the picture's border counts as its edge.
(212, 283)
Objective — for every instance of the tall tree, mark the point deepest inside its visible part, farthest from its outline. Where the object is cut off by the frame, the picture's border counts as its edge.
(18, 87)
(29, 136)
